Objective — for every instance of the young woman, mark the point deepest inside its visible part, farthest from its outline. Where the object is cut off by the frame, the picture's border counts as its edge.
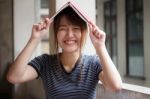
(67, 74)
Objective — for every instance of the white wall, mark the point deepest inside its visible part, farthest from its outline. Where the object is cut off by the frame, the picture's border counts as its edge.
(100, 16)
(147, 40)
(25, 14)
(121, 37)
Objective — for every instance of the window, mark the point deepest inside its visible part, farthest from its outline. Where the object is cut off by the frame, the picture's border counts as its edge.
(44, 3)
(110, 25)
(134, 38)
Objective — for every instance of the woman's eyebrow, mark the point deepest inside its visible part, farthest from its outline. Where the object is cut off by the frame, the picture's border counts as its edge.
(62, 25)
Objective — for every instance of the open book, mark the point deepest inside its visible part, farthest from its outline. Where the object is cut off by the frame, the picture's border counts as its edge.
(76, 8)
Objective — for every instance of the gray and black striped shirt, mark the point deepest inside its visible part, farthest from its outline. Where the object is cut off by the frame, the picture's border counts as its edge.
(80, 83)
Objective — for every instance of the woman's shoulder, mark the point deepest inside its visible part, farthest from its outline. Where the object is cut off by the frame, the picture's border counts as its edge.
(94, 59)
(88, 57)
(46, 56)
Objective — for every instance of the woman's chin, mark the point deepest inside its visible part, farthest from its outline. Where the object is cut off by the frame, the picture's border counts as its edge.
(71, 50)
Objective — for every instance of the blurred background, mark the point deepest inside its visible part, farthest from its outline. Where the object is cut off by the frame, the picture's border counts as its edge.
(127, 26)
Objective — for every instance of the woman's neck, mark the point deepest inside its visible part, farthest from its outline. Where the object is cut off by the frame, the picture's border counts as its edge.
(69, 59)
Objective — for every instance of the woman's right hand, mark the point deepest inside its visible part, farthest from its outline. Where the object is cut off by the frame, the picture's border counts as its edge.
(39, 29)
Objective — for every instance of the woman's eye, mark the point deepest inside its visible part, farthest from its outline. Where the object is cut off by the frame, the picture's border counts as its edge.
(62, 29)
(76, 28)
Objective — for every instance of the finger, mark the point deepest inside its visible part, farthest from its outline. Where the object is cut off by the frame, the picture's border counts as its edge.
(90, 27)
(91, 30)
(40, 25)
(93, 25)
(36, 27)
(97, 34)
(47, 20)
(95, 30)
(43, 24)
(46, 23)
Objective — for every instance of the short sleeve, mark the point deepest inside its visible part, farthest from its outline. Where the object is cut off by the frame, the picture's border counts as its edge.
(97, 64)
(38, 63)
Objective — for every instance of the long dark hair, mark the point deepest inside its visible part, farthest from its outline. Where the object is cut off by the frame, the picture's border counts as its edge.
(75, 19)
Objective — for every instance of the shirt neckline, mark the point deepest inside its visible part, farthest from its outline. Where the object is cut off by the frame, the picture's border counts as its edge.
(74, 68)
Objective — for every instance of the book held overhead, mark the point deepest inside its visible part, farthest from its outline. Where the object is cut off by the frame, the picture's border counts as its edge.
(76, 8)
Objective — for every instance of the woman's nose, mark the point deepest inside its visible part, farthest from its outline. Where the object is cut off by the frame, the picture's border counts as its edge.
(70, 33)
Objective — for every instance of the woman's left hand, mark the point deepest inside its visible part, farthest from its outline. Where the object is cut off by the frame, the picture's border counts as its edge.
(97, 36)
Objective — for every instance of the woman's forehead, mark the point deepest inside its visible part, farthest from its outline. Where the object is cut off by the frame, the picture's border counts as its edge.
(65, 21)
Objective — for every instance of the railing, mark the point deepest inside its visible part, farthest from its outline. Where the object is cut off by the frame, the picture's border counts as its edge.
(128, 92)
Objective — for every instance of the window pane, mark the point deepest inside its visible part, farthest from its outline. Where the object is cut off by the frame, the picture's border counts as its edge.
(44, 3)
(113, 8)
(138, 4)
(114, 27)
(135, 50)
(130, 5)
(107, 9)
(108, 46)
(136, 60)
(135, 26)
(107, 27)
(110, 28)
(114, 50)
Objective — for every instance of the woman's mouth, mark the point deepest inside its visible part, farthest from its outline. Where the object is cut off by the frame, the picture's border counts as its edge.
(70, 42)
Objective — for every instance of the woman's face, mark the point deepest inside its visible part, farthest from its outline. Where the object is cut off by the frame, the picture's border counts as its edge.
(68, 36)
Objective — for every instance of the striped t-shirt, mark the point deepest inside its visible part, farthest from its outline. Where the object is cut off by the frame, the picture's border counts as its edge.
(80, 83)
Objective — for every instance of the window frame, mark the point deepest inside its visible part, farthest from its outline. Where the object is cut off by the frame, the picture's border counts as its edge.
(111, 36)
(128, 42)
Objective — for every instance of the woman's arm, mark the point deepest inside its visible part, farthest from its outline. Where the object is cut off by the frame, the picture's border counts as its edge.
(19, 71)
(109, 76)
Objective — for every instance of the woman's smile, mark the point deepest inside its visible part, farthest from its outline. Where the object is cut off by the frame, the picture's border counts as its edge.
(70, 42)
(68, 36)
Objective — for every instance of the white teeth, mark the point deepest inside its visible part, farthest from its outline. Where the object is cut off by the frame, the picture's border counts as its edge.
(70, 42)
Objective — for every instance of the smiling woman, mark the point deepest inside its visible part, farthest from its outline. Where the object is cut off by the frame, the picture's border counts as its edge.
(67, 74)
(70, 28)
